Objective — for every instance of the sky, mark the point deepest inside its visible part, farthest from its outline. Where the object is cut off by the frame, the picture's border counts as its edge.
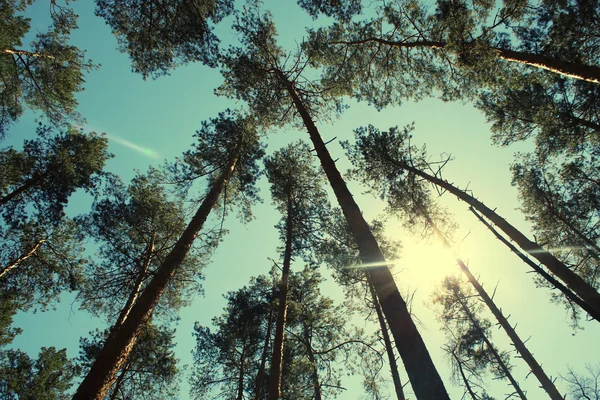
(150, 121)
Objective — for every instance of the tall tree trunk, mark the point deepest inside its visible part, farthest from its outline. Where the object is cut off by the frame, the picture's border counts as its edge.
(135, 291)
(119, 344)
(240, 393)
(523, 351)
(588, 73)
(15, 263)
(492, 348)
(568, 293)
(23, 188)
(423, 376)
(260, 377)
(583, 289)
(388, 344)
(313, 362)
(277, 357)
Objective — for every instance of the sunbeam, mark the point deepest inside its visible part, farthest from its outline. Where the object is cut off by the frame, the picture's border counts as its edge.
(143, 150)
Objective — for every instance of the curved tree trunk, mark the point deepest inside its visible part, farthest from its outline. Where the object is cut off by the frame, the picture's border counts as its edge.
(423, 376)
(523, 351)
(464, 378)
(583, 289)
(588, 73)
(278, 343)
(388, 344)
(120, 342)
(568, 293)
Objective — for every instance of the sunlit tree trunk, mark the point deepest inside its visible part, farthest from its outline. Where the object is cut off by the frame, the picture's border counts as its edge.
(15, 263)
(423, 376)
(588, 73)
(135, 291)
(278, 343)
(119, 383)
(119, 344)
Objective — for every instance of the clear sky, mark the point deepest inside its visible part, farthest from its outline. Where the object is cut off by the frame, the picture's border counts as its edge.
(151, 121)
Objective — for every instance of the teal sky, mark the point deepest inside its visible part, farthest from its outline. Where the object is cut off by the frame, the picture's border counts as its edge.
(151, 121)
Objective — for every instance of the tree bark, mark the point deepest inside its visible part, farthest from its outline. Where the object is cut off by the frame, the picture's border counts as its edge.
(119, 344)
(135, 291)
(15, 263)
(568, 293)
(388, 344)
(583, 289)
(523, 351)
(588, 73)
(119, 383)
(313, 361)
(240, 393)
(423, 376)
(277, 357)
(263, 359)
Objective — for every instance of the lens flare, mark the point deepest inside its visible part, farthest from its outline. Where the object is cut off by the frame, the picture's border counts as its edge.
(143, 150)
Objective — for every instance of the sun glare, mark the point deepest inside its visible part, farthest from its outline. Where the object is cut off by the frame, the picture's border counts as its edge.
(420, 262)
(426, 261)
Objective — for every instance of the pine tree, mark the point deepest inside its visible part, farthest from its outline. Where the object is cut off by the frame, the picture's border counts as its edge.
(255, 74)
(150, 371)
(46, 75)
(135, 227)
(389, 154)
(297, 191)
(228, 148)
(469, 347)
(161, 35)
(48, 377)
(41, 249)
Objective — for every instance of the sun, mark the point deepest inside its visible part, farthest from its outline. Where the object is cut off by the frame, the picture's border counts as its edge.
(422, 264)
